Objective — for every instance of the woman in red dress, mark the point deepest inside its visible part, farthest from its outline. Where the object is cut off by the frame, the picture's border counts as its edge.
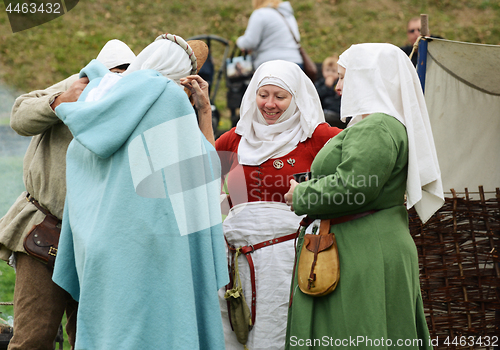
(281, 129)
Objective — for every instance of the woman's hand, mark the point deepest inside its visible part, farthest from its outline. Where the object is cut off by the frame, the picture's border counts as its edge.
(199, 91)
(289, 194)
(199, 94)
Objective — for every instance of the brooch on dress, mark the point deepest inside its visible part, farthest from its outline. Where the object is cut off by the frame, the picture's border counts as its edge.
(278, 164)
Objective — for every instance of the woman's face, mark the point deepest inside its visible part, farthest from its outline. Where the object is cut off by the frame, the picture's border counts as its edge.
(272, 102)
(340, 83)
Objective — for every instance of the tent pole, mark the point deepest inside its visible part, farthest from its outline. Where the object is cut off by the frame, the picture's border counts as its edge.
(422, 50)
(422, 62)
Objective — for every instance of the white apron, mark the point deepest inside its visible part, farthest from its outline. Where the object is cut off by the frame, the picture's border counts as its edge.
(252, 223)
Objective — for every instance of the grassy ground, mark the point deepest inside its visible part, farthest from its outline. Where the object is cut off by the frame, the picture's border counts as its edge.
(7, 278)
(12, 186)
(11, 170)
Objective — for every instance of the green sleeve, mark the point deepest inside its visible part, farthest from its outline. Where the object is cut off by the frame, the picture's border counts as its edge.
(368, 154)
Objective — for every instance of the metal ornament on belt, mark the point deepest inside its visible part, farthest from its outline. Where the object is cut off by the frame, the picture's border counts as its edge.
(278, 164)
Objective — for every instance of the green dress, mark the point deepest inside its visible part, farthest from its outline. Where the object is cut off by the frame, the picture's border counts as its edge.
(377, 303)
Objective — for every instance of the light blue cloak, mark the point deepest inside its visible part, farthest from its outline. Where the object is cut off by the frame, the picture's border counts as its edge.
(141, 246)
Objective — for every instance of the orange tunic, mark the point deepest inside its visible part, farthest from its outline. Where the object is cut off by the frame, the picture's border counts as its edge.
(269, 181)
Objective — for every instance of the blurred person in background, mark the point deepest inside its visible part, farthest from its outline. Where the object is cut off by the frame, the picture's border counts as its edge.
(412, 33)
(268, 36)
(330, 99)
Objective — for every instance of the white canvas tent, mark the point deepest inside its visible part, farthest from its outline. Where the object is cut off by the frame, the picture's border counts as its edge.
(462, 92)
(458, 247)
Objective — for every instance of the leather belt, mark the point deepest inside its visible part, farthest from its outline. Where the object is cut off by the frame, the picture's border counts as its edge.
(306, 221)
(247, 250)
(346, 218)
(33, 201)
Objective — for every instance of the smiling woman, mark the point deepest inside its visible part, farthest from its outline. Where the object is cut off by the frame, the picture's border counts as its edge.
(281, 129)
(273, 102)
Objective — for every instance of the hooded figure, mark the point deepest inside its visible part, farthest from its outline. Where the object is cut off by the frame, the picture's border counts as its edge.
(141, 245)
(115, 53)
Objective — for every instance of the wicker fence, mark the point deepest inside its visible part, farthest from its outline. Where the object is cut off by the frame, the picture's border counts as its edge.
(460, 270)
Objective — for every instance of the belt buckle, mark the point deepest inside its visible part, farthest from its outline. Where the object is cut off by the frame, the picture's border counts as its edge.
(52, 251)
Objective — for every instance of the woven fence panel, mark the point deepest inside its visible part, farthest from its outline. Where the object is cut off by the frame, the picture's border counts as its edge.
(460, 270)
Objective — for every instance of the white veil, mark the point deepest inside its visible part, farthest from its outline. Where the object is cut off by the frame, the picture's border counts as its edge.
(381, 78)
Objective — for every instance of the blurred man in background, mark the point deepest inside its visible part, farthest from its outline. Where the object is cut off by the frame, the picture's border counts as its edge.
(412, 33)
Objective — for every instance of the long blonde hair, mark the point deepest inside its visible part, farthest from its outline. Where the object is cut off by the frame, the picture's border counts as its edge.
(257, 4)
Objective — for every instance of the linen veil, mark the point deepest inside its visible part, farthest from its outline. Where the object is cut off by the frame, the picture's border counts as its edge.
(115, 53)
(380, 78)
(165, 57)
(260, 142)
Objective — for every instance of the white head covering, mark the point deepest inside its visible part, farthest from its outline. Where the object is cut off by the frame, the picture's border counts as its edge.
(381, 78)
(170, 55)
(260, 141)
(165, 57)
(115, 53)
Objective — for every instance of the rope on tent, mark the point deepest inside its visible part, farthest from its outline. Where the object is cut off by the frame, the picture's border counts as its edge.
(415, 46)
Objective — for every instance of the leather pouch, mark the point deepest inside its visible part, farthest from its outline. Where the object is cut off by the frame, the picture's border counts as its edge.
(318, 267)
(42, 241)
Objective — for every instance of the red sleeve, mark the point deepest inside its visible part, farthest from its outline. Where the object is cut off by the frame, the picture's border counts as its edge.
(321, 135)
(227, 148)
